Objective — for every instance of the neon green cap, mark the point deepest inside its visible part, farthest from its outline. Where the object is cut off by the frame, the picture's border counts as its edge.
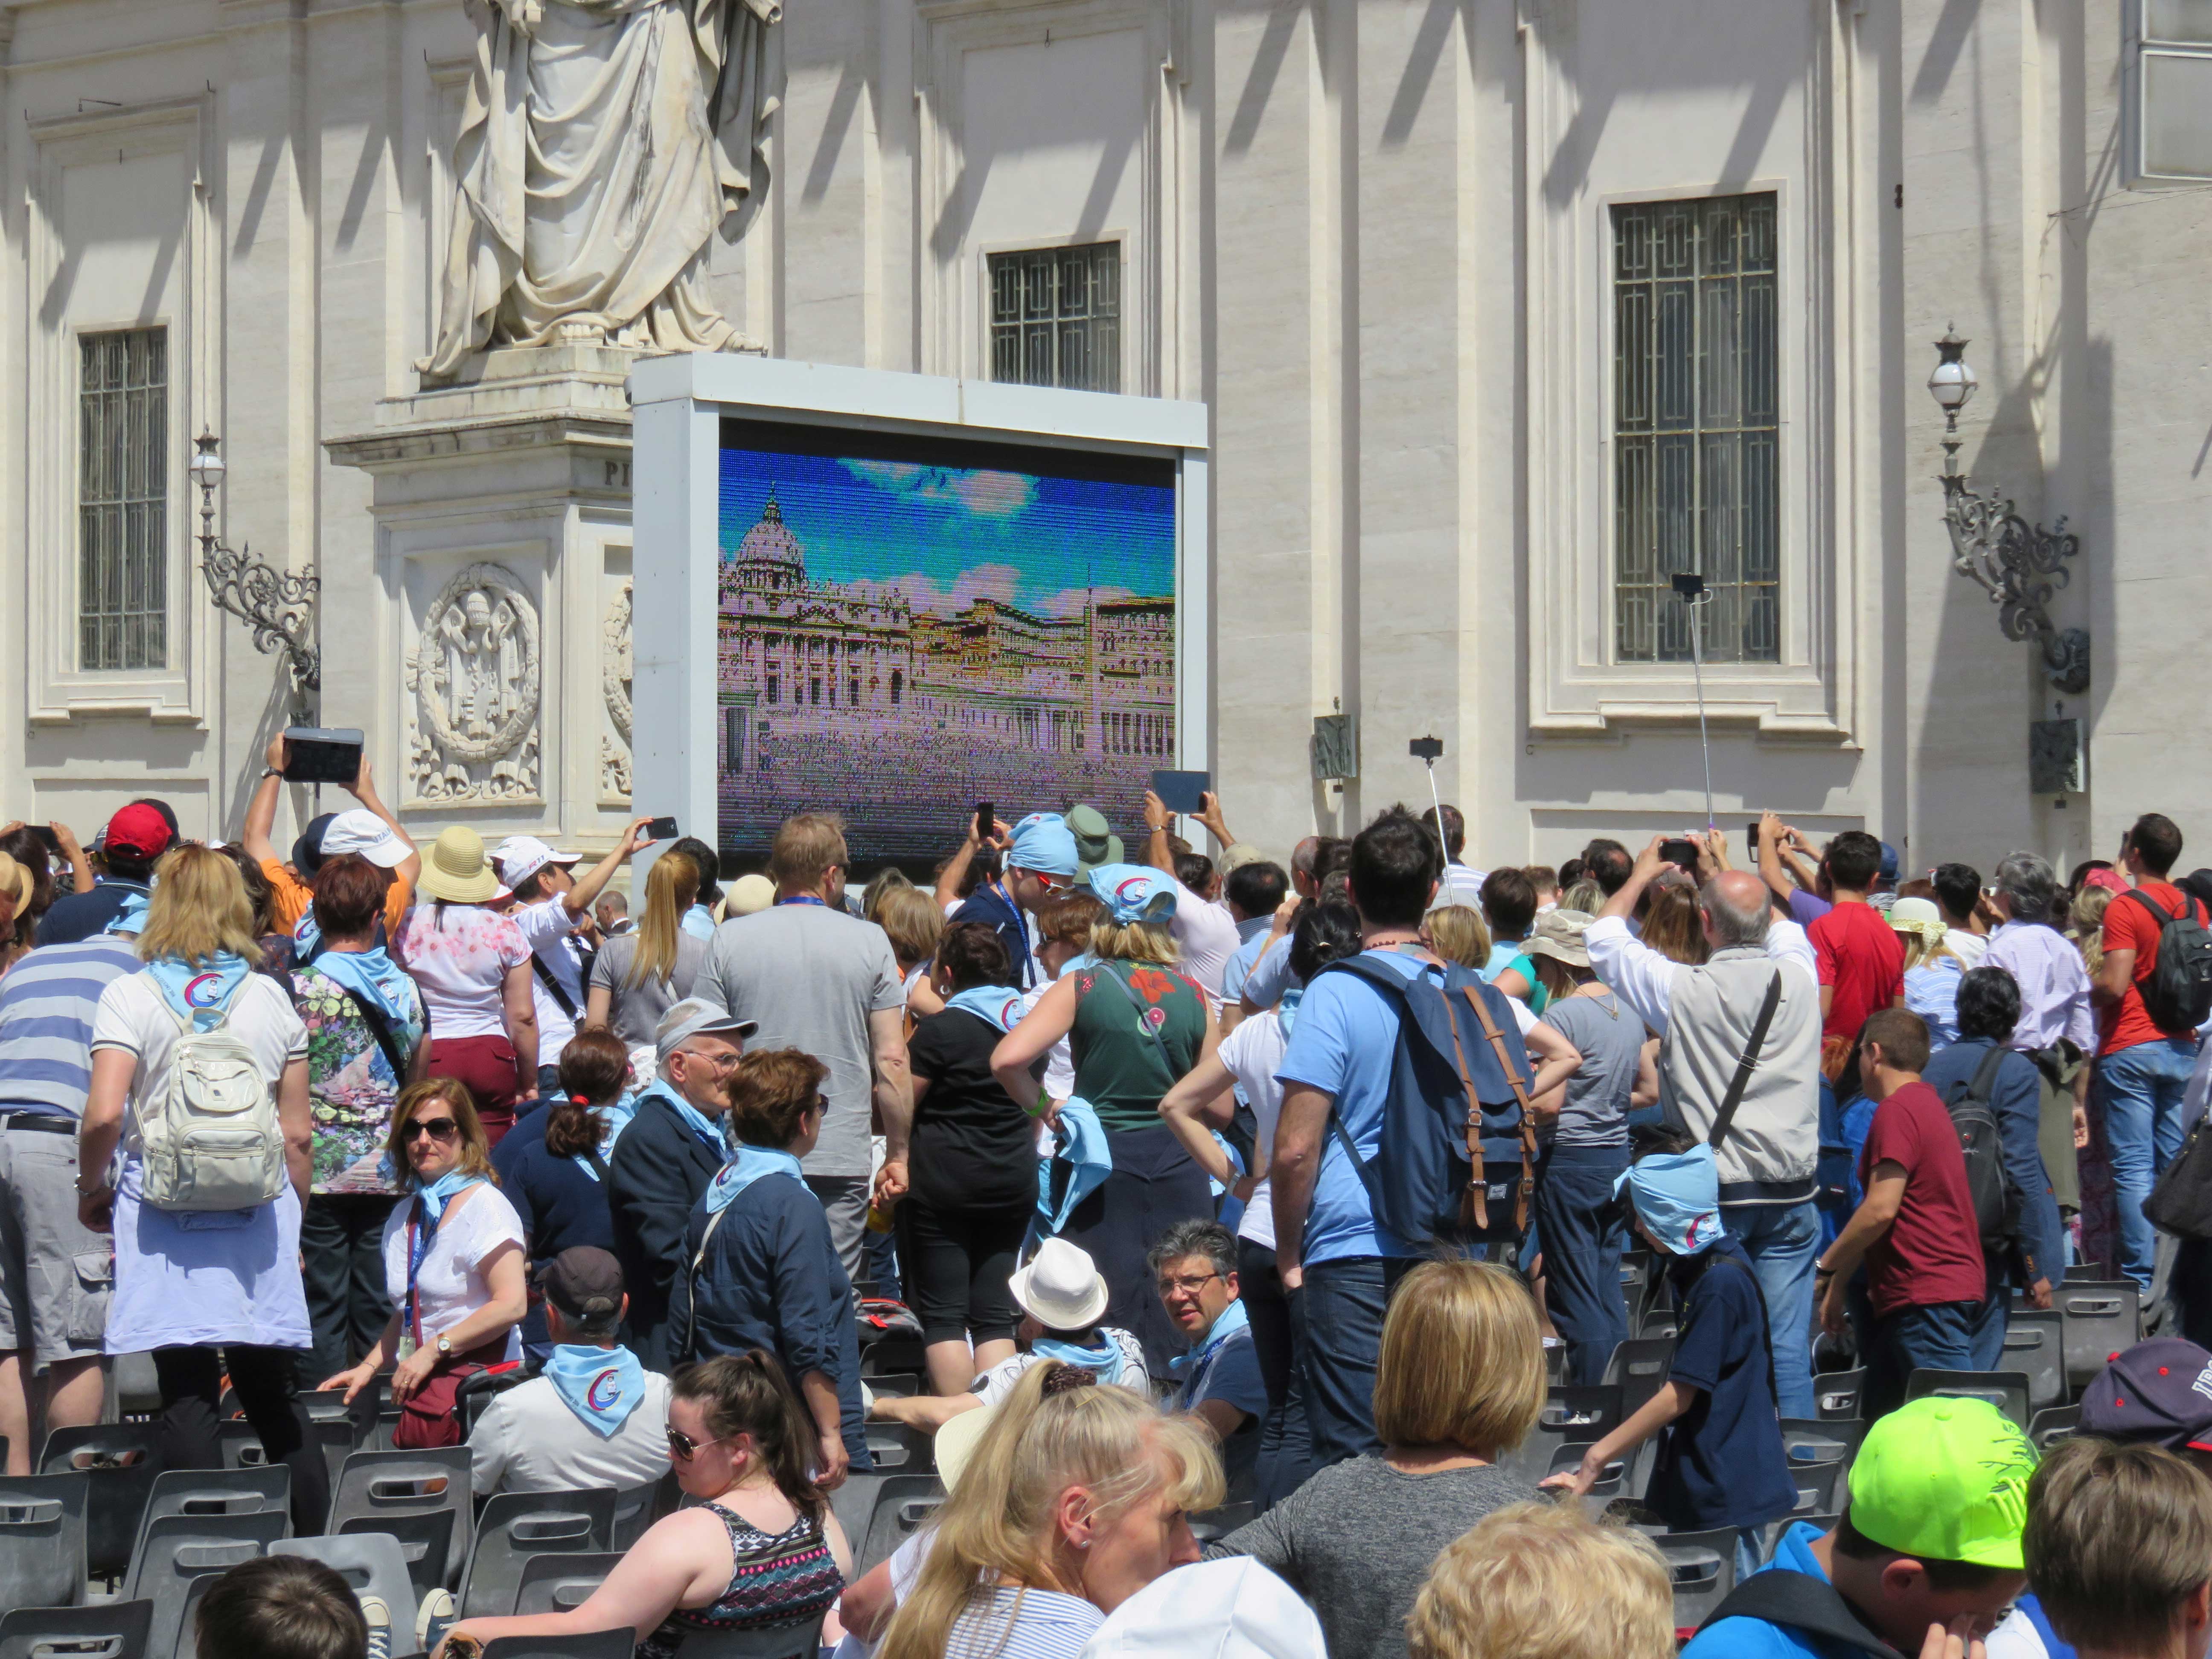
(1945, 1479)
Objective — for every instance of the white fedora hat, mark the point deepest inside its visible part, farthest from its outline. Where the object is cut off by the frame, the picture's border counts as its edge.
(1059, 1287)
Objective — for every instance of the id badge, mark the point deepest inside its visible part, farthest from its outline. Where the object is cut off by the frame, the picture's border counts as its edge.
(406, 1347)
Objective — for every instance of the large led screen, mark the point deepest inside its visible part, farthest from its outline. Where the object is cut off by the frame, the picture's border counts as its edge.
(907, 627)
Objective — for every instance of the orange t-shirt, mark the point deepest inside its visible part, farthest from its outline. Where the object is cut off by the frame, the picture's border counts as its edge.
(288, 900)
(2129, 926)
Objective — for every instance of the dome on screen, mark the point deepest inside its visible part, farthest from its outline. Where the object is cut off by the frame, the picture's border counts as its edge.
(771, 540)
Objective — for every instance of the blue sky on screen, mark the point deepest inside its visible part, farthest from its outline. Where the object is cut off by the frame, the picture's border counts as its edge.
(948, 535)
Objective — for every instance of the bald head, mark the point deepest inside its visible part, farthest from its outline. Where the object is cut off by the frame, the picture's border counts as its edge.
(1303, 857)
(1735, 906)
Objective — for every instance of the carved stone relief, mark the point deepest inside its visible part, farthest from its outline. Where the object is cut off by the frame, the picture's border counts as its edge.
(473, 733)
(614, 682)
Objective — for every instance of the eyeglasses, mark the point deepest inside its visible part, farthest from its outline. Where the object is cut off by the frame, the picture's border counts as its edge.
(681, 1447)
(438, 1128)
(1188, 1285)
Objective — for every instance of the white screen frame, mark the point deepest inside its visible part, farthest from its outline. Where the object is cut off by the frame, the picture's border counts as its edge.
(678, 404)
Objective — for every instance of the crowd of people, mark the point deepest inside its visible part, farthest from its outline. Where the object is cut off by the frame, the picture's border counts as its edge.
(1198, 1178)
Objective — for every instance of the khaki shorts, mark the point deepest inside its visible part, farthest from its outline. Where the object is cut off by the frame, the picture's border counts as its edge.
(57, 1273)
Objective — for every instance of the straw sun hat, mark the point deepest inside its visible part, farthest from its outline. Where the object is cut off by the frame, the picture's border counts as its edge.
(457, 870)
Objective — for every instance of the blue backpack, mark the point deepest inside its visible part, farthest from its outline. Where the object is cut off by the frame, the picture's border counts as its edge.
(1458, 1106)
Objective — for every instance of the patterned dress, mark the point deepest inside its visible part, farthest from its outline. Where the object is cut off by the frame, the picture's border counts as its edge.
(783, 1579)
(351, 1085)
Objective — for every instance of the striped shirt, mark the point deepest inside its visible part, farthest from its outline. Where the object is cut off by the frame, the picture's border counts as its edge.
(1008, 1623)
(47, 1001)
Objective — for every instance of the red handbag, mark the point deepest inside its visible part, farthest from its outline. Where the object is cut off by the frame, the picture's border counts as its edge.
(431, 1415)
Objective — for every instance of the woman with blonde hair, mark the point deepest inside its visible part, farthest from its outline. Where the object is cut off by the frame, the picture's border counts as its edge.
(1135, 1027)
(1075, 1498)
(640, 975)
(453, 1264)
(914, 923)
(1932, 968)
(1458, 1383)
(190, 1281)
(1672, 925)
(1458, 933)
(2086, 924)
(1499, 1588)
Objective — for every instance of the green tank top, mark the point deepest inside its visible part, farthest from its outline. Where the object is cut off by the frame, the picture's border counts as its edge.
(1119, 1068)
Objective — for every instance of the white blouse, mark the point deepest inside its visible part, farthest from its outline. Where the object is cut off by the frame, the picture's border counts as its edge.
(452, 1284)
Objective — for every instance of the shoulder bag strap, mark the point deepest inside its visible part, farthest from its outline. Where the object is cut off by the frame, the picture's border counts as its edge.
(1724, 1120)
(691, 1279)
(380, 1028)
(1525, 1197)
(1985, 1083)
(552, 986)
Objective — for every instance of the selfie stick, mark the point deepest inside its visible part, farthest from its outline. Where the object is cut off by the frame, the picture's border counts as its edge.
(1429, 748)
(1689, 589)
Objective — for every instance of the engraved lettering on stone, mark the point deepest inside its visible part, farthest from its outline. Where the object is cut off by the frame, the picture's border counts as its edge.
(475, 677)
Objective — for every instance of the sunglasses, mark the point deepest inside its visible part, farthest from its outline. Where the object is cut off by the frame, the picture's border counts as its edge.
(682, 1446)
(438, 1128)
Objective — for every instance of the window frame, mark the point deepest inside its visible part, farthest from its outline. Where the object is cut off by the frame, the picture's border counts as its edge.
(988, 258)
(161, 445)
(2138, 47)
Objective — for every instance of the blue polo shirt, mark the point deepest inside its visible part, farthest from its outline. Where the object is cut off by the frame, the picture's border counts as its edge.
(1757, 1638)
(1345, 1042)
(1722, 1462)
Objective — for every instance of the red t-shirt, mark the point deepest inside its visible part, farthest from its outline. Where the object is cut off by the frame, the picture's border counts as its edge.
(1933, 1251)
(2129, 926)
(1862, 960)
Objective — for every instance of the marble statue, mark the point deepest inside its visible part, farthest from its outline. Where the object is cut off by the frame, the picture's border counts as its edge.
(602, 144)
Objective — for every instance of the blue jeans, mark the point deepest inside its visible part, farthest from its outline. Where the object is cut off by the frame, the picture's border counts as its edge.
(1985, 1332)
(1337, 1324)
(1583, 1238)
(1285, 1454)
(1784, 1242)
(2140, 1089)
(1936, 1337)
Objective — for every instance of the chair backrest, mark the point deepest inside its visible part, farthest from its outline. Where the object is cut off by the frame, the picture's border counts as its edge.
(117, 1459)
(1822, 1440)
(1659, 1323)
(902, 1503)
(1212, 1526)
(1835, 1393)
(1584, 1415)
(109, 1629)
(784, 1642)
(1638, 1369)
(1703, 1567)
(373, 1564)
(639, 1507)
(179, 1556)
(561, 1583)
(2053, 1425)
(2035, 1344)
(901, 1448)
(401, 1493)
(2102, 1316)
(516, 1525)
(1609, 1483)
(891, 1356)
(2006, 1390)
(218, 1492)
(1817, 1486)
(903, 1385)
(593, 1644)
(42, 1522)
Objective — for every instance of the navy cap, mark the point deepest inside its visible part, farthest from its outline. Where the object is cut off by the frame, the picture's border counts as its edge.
(1888, 862)
(2160, 1391)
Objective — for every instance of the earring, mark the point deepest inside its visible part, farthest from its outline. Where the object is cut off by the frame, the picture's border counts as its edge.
(1083, 1543)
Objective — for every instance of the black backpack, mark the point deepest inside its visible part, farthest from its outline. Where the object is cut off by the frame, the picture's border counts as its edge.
(2177, 993)
(1997, 1199)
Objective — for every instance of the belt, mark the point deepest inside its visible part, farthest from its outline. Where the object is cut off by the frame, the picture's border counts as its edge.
(49, 1123)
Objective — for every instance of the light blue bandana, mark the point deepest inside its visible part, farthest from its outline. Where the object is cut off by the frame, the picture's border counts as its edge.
(997, 1003)
(1678, 1197)
(1103, 1363)
(602, 1386)
(1191, 1367)
(201, 990)
(750, 1163)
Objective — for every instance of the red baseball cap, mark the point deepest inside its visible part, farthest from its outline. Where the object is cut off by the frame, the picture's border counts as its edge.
(138, 831)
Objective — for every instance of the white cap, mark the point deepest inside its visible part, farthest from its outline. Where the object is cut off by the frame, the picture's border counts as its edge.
(357, 830)
(1233, 1608)
(1061, 1287)
(520, 857)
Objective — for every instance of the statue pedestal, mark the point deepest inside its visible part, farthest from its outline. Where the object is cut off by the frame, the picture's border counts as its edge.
(489, 656)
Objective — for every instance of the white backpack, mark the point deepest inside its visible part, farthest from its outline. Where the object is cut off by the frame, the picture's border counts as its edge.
(209, 1140)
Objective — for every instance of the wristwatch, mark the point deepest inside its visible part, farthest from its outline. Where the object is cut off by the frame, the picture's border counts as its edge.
(444, 1347)
(272, 772)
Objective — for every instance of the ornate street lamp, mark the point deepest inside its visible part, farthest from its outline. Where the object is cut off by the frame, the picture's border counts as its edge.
(2018, 564)
(276, 604)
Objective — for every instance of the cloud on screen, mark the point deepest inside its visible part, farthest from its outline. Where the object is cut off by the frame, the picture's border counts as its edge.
(980, 493)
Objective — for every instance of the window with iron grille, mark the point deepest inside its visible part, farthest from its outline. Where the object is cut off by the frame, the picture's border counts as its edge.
(1056, 317)
(123, 486)
(1696, 486)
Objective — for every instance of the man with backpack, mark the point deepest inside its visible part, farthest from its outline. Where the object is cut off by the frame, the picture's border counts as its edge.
(1740, 1069)
(1994, 1092)
(1915, 1230)
(1390, 1058)
(2152, 992)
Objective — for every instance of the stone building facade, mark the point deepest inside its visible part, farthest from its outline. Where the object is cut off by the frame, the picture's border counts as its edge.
(1505, 311)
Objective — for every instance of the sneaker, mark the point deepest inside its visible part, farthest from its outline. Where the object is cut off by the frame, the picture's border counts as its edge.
(373, 1608)
(433, 1619)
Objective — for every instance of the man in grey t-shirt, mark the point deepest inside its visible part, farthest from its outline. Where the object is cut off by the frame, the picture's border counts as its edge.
(823, 982)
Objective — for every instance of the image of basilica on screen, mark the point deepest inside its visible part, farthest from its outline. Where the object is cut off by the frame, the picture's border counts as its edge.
(901, 703)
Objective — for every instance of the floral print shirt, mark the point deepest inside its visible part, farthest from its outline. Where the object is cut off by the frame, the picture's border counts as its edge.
(351, 1085)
